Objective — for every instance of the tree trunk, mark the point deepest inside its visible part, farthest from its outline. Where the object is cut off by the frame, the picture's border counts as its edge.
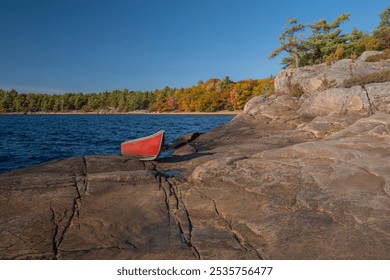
(296, 60)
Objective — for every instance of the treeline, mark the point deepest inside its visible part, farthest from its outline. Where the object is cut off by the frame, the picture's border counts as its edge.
(211, 96)
(323, 41)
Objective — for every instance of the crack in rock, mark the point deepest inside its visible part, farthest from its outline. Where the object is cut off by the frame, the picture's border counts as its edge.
(85, 175)
(167, 205)
(54, 241)
(18, 236)
(245, 245)
(57, 235)
(371, 110)
(238, 240)
(175, 207)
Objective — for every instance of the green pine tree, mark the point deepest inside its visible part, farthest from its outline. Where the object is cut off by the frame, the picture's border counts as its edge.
(291, 42)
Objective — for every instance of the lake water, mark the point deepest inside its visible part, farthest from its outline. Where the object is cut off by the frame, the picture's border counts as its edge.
(26, 140)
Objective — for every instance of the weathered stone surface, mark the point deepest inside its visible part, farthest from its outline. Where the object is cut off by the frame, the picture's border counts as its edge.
(187, 149)
(356, 100)
(274, 107)
(289, 178)
(323, 126)
(314, 79)
(379, 95)
(185, 139)
(335, 191)
(368, 54)
(87, 208)
(310, 79)
(336, 101)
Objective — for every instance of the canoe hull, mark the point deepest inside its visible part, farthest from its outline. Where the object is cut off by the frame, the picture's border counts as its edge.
(146, 148)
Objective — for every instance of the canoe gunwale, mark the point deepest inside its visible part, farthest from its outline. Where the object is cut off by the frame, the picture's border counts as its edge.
(145, 138)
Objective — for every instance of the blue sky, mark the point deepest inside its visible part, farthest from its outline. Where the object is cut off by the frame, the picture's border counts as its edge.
(57, 46)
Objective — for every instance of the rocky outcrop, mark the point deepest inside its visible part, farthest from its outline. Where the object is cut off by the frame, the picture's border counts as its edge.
(293, 202)
(368, 54)
(290, 178)
(322, 92)
(365, 100)
(313, 79)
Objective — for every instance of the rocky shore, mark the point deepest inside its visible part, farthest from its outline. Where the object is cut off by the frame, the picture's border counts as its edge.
(295, 176)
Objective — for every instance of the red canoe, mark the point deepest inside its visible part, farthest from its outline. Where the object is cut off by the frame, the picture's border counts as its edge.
(146, 148)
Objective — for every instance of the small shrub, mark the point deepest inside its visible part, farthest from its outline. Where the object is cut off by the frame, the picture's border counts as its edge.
(337, 55)
(296, 90)
(353, 56)
(377, 77)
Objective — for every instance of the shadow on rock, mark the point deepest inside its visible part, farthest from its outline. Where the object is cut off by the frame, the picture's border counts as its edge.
(184, 158)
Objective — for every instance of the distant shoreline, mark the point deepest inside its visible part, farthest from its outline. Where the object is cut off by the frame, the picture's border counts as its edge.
(140, 112)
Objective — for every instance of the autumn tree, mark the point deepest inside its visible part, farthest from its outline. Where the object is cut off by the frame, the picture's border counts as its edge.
(359, 42)
(163, 102)
(382, 31)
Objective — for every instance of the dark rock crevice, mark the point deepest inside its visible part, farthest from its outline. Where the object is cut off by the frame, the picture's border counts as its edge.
(371, 107)
(58, 237)
(54, 233)
(85, 176)
(177, 213)
(241, 241)
(168, 207)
